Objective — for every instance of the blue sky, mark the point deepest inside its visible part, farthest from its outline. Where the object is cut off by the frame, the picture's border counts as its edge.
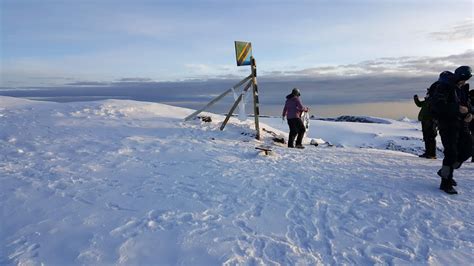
(54, 42)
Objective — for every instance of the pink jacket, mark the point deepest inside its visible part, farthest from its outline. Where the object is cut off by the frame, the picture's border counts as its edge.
(293, 108)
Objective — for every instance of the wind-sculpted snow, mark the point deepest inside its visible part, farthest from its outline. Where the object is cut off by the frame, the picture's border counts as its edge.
(123, 182)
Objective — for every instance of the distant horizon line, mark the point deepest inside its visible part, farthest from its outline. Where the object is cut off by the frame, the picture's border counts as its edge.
(384, 67)
(265, 79)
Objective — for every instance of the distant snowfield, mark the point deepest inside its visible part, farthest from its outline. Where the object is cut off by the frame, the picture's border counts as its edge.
(125, 182)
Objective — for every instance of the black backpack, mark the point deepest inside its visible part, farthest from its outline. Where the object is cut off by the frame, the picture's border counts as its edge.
(442, 100)
(432, 100)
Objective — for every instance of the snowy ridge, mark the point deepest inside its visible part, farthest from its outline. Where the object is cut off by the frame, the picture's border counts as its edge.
(357, 119)
(125, 182)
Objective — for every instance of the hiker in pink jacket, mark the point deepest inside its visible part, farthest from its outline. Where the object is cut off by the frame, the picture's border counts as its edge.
(293, 110)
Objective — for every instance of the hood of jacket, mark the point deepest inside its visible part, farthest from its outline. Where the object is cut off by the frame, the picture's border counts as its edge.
(447, 77)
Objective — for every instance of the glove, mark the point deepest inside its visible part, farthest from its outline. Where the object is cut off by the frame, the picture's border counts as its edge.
(463, 109)
(468, 118)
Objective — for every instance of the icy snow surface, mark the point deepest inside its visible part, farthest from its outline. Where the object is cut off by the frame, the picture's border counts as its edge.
(125, 182)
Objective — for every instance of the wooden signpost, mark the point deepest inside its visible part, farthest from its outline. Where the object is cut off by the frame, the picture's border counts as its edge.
(256, 104)
(243, 54)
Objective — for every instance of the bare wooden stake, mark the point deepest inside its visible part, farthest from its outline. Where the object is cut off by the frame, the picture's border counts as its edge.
(217, 99)
(256, 104)
(235, 105)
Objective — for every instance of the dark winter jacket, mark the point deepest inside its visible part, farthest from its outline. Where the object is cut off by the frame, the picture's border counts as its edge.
(471, 98)
(424, 114)
(293, 107)
(445, 100)
(464, 95)
(465, 100)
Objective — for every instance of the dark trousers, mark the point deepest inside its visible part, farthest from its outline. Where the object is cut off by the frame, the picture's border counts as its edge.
(430, 131)
(472, 141)
(471, 127)
(457, 143)
(296, 130)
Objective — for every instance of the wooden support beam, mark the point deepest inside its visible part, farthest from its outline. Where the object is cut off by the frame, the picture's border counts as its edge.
(235, 105)
(217, 99)
(256, 108)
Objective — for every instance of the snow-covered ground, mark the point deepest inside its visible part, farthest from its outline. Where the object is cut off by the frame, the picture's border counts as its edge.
(125, 182)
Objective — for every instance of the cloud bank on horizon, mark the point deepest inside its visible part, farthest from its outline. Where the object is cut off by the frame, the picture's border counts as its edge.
(51, 43)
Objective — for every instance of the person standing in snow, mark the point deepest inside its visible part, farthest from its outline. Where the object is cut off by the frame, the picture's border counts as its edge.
(452, 112)
(471, 125)
(293, 110)
(428, 126)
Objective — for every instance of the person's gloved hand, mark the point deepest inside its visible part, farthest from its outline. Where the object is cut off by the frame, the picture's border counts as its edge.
(468, 118)
(463, 109)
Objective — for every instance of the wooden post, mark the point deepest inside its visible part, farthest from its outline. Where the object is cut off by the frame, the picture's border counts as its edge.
(235, 105)
(217, 99)
(256, 110)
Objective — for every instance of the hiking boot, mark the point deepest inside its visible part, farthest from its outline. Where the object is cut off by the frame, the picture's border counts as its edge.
(453, 182)
(447, 187)
(299, 146)
(450, 191)
(424, 155)
(445, 172)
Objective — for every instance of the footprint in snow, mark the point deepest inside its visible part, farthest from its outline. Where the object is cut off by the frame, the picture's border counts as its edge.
(116, 207)
(243, 226)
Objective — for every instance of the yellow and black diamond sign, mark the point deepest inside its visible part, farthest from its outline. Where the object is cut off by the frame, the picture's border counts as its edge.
(243, 52)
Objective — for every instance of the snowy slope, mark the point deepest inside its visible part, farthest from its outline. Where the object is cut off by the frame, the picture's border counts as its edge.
(124, 182)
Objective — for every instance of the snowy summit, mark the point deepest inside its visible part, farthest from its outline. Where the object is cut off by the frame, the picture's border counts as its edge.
(126, 182)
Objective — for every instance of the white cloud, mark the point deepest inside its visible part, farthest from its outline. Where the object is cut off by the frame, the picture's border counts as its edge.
(463, 31)
(404, 66)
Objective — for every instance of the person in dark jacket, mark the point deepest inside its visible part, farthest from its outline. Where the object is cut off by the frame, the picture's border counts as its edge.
(293, 110)
(453, 115)
(428, 126)
(471, 125)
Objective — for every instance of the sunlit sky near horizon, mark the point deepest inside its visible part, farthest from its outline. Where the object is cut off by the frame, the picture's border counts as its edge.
(53, 42)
